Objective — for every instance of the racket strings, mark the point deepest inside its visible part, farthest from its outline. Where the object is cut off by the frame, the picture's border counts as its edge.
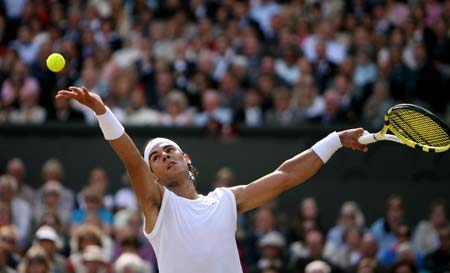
(419, 128)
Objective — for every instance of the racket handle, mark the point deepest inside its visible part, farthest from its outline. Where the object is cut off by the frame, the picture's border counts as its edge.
(367, 138)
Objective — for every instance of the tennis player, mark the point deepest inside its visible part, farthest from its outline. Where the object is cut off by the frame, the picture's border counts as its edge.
(189, 232)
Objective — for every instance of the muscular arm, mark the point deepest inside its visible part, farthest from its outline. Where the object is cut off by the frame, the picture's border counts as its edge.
(148, 192)
(289, 174)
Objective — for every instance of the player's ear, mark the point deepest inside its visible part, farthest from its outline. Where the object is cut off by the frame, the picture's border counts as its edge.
(187, 158)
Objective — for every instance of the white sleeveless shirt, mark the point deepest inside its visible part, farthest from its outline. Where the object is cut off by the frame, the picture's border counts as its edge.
(192, 236)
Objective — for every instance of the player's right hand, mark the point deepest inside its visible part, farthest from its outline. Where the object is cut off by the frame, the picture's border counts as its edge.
(83, 96)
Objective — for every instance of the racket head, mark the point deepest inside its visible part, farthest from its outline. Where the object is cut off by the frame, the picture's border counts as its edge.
(418, 128)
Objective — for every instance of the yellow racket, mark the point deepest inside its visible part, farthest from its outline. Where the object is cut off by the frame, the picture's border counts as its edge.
(413, 126)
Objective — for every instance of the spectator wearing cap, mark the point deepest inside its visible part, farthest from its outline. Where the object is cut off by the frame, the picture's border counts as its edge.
(16, 167)
(47, 238)
(317, 267)
(20, 209)
(130, 262)
(271, 247)
(51, 203)
(94, 261)
(35, 261)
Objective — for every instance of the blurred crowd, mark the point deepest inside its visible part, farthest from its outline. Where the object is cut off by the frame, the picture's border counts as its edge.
(218, 64)
(53, 229)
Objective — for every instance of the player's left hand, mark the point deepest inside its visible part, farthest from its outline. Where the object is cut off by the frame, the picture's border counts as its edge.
(349, 139)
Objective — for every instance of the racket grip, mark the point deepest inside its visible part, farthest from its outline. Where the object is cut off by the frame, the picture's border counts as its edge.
(367, 138)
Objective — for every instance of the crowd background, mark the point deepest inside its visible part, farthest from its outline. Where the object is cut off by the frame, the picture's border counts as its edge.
(218, 64)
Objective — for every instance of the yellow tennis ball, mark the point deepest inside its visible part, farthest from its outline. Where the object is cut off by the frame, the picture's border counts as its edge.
(55, 62)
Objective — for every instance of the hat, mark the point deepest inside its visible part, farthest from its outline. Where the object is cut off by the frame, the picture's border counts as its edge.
(317, 266)
(272, 238)
(93, 253)
(48, 233)
(53, 186)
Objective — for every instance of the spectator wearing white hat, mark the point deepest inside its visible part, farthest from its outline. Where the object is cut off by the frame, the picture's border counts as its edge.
(271, 247)
(94, 260)
(317, 267)
(131, 263)
(47, 238)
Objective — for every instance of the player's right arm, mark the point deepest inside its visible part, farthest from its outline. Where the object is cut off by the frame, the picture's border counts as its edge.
(148, 192)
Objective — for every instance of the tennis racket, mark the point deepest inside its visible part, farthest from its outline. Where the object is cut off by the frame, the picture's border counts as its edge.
(413, 126)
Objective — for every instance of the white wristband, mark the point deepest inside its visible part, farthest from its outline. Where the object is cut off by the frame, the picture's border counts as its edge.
(326, 147)
(110, 126)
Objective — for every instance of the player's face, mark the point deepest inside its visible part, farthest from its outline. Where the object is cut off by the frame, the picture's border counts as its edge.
(168, 164)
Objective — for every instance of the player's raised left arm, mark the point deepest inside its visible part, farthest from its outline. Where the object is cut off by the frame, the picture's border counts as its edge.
(295, 170)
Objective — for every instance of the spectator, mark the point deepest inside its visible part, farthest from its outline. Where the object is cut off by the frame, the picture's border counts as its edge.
(26, 45)
(138, 113)
(35, 261)
(317, 267)
(438, 260)
(129, 262)
(51, 204)
(93, 260)
(52, 170)
(306, 98)
(324, 69)
(29, 112)
(212, 111)
(384, 228)
(176, 111)
(98, 179)
(225, 177)
(63, 112)
(315, 249)
(286, 66)
(377, 105)
(124, 197)
(350, 254)
(18, 82)
(9, 237)
(20, 209)
(251, 114)
(84, 236)
(426, 237)
(283, 113)
(16, 168)
(3, 260)
(368, 260)
(272, 253)
(47, 238)
(94, 204)
(404, 267)
(264, 221)
(350, 216)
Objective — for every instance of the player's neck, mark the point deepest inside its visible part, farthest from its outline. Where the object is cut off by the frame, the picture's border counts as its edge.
(185, 189)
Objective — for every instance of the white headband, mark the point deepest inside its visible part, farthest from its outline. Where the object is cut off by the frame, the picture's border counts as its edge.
(158, 141)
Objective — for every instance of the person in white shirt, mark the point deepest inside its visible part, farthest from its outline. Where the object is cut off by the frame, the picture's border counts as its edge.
(188, 231)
